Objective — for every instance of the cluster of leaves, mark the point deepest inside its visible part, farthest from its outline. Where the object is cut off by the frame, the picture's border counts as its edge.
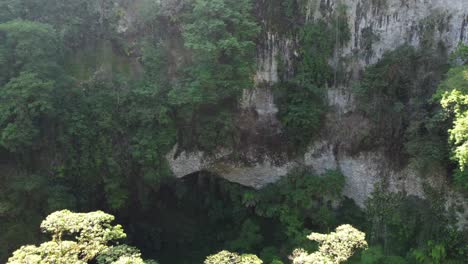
(335, 248)
(121, 254)
(68, 142)
(78, 131)
(29, 55)
(29, 58)
(395, 94)
(297, 199)
(301, 99)
(78, 22)
(93, 233)
(375, 255)
(226, 257)
(99, 140)
(405, 229)
(453, 96)
(399, 95)
(281, 16)
(219, 35)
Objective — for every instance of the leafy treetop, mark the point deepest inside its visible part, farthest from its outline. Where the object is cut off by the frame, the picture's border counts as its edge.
(92, 232)
(454, 93)
(335, 247)
(226, 257)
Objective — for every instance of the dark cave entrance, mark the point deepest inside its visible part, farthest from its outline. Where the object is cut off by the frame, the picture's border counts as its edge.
(190, 218)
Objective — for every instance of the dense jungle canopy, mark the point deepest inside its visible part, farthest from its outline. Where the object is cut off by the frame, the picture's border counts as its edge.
(94, 94)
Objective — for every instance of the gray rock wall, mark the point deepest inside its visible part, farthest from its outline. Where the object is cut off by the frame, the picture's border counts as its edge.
(395, 22)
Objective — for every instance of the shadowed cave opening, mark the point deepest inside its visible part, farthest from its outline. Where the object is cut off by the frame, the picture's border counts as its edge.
(196, 216)
(190, 218)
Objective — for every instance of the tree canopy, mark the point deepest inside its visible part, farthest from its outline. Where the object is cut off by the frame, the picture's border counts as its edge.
(335, 248)
(453, 96)
(226, 257)
(93, 235)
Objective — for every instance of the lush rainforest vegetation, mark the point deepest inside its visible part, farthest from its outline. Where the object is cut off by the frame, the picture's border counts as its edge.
(90, 107)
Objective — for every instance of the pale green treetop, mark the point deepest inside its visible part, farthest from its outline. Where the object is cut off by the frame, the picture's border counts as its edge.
(226, 257)
(92, 232)
(334, 248)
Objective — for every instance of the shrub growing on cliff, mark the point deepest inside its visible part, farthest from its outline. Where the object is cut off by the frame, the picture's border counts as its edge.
(301, 99)
(301, 197)
(395, 95)
(226, 257)
(29, 52)
(219, 35)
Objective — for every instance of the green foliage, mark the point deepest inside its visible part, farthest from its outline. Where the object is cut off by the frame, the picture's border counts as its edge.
(25, 102)
(77, 21)
(83, 126)
(204, 214)
(121, 254)
(270, 255)
(453, 96)
(395, 94)
(336, 247)
(98, 138)
(456, 102)
(380, 4)
(284, 17)
(76, 142)
(48, 252)
(461, 54)
(219, 35)
(92, 232)
(368, 38)
(435, 253)
(301, 111)
(385, 89)
(461, 178)
(437, 21)
(390, 214)
(226, 257)
(299, 198)
(28, 47)
(301, 99)
(375, 255)
(249, 237)
(29, 54)
(399, 223)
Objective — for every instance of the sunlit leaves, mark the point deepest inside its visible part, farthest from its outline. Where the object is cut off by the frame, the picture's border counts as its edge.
(92, 232)
(334, 248)
(455, 101)
(226, 257)
(122, 254)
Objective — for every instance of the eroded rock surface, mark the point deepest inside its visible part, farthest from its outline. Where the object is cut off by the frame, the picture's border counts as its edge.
(393, 22)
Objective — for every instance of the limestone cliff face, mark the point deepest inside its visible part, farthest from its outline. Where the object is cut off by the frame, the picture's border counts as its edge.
(394, 22)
